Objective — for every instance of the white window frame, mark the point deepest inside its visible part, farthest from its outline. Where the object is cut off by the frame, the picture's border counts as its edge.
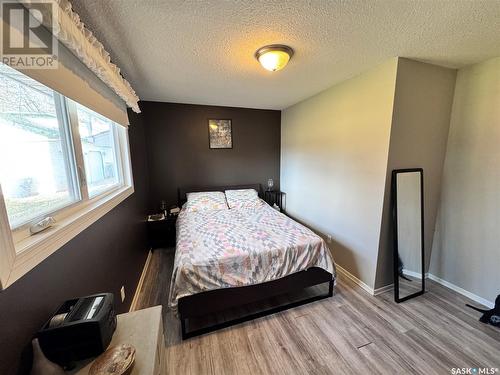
(20, 252)
(63, 117)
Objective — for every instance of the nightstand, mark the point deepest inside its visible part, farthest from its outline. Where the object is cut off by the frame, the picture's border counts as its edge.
(161, 233)
(275, 197)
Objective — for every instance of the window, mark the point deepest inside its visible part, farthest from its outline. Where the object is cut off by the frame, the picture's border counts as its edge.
(36, 164)
(57, 158)
(97, 135)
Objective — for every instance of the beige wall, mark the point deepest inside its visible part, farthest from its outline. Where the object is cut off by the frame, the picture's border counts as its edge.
(334, 149)
(340, 146)
(466, 249)
(420, 125)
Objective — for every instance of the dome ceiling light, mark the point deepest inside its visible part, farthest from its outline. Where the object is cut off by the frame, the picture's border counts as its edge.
(274, 57)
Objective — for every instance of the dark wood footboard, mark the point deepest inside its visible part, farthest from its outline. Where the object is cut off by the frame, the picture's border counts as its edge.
(213, 301)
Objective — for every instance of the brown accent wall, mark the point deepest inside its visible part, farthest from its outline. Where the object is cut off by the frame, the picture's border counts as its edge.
(112, 251)
(105, 256)
(179, 153)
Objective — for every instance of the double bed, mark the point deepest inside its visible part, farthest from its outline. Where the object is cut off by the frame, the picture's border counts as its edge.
(226, 258)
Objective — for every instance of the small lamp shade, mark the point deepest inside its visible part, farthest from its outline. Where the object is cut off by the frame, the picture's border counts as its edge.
(270, 184)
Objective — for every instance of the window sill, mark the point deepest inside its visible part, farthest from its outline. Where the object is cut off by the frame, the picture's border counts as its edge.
(33, 250)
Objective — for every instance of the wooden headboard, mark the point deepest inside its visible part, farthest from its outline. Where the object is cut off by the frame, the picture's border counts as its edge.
(181, 192)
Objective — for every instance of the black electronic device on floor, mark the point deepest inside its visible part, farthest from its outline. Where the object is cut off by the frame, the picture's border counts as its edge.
(491, 316)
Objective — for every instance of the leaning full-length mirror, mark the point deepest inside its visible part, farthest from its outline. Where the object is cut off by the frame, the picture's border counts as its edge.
(408, 225)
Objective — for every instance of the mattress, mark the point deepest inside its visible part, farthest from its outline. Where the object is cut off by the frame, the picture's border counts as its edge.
(239, 247)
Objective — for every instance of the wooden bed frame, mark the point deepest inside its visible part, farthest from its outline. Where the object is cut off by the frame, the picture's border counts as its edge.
(202, 304)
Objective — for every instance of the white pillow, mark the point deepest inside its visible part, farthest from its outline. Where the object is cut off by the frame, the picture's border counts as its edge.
(204, 201)
(242, 198)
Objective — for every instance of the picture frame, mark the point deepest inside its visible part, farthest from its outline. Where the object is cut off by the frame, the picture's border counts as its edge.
(220, 134)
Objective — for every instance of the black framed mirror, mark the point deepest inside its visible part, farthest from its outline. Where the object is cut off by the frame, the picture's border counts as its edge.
(408, 232)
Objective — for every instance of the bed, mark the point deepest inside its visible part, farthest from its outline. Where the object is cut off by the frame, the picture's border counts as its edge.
(228, 258)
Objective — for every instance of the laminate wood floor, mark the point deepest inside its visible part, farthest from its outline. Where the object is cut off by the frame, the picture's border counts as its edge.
(350, 333)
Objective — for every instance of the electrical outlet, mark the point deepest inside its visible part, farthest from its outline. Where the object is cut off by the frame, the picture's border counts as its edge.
(122, 293)
(329, 238)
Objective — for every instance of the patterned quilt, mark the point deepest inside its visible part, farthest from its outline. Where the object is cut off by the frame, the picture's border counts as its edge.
(239, 247)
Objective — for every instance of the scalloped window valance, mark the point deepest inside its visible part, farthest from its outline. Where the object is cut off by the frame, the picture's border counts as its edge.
(84, 70)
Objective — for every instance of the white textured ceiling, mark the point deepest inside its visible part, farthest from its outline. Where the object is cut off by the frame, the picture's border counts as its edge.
(202, 51)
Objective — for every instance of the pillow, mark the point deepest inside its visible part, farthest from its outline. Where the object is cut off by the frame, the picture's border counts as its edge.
(242, 198)
(207, 200)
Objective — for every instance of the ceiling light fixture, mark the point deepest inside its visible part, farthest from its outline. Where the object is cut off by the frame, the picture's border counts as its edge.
(274, 57)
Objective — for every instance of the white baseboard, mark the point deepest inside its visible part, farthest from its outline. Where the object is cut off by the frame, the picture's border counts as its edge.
(133, 305)
(355, 280)
(383, 289)
(461, 291)
(416, 275)
(451, 286)
(447, 284)
(362, 284)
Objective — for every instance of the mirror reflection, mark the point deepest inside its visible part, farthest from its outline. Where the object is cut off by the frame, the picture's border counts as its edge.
(408, 233)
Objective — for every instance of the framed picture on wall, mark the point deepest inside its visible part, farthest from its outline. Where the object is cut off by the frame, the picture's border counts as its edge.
(220, 134)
